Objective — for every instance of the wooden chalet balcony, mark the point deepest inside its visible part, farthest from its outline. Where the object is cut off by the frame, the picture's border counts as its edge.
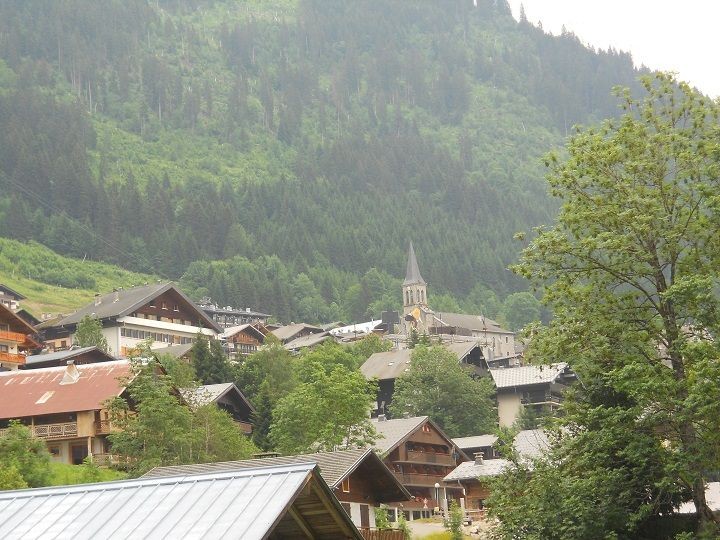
(110, 460)
(381, 534)
(17, 337)
(418, 479)
(52, 431)
(430, 457)
(12, 358)
(104, 426)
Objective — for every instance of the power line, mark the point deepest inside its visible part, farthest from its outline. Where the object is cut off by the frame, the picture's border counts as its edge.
(87, 229)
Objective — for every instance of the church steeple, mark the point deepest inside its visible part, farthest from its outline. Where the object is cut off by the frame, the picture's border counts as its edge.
(412, 274)
(414, 287)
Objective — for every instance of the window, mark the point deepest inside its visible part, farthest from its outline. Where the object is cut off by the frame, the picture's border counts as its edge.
(152, 303)
(176, 307)
(426, 428)
(54, 451)
(345, 485)
(506, 339)
(163, 305)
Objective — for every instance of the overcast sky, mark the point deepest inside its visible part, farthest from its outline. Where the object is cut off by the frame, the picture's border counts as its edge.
(661, 34)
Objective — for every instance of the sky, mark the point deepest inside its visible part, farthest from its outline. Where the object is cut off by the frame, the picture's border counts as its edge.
(660, 34)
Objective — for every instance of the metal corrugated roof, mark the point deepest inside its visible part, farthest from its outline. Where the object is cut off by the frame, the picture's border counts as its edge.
(243, 504)
(42, 391)
(334, 468)
(526, 375)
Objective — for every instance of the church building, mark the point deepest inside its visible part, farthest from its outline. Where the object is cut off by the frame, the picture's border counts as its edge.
(497, 343)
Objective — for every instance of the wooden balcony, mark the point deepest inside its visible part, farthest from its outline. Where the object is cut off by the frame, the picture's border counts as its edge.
(110, 460)
(16, 337)
(381, 534)
(417, 479)
(12, 358)
(103, 427)
(52, 431)
(416, 456)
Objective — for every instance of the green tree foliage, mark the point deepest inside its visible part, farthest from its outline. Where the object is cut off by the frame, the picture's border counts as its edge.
(247, 132)
(520, 309)
(328, 409)
(453, 524)
(438, 386)
(10, 478)
(210, 361)
(631, 272)
(163, 430)
(23, 454)
(89, 333)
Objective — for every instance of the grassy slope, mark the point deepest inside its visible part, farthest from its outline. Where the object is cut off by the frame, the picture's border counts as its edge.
(39, 273)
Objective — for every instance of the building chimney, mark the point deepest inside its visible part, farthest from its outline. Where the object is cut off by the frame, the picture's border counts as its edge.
(71, 375)
(381, 418)
(97, 299)
(479, 458)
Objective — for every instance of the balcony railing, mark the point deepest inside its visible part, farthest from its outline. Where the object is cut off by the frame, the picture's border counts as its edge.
(108, 460)
(381, 534)
(430, 457)
(12, 358)
(6, 335)
(52, 431)
(103, 426)
(416, 479)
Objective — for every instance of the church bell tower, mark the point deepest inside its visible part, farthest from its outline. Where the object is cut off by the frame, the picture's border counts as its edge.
(414, 291)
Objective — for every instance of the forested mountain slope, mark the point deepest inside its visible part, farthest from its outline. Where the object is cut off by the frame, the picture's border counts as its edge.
(302, 143)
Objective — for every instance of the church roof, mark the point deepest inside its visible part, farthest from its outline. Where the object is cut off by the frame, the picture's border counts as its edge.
(412, 274)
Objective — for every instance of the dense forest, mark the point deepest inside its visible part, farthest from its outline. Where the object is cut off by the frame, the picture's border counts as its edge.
(280, 154)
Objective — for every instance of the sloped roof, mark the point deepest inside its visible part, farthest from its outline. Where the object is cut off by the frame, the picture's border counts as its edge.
(9, 292)
(233, 330)
(41, 391)
(412, 272)
(392, 364)
(334, 468)
(176, 351)
(393, 432)
(123, 302)
(210, 393)
(526, 375)
(287, 332)
(470, 322)
(475, 442)
(248, 504)
(307, 341)
(531, 443)
(17, 323)
(63, 356)
(470, 470)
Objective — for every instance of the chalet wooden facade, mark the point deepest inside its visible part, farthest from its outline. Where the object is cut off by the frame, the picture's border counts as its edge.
(242, 340)
(65, 406)
(228, 316)
(227, 397)
(9, 298)
(158, 313)
(17, 339)
(420, 455)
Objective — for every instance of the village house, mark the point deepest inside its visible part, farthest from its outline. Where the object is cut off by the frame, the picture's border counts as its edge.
(386, 367)
(290, 332)
(474, 477)
(9, 298)
(242, 340)
(17, 339)
(228, 316)
(357, 477)
(227, 397)
(273, 503)
(478, 444)
(65, 406)
(308, 341)
(420, 455)
(77, 355)
(540, 388)
(160, 313)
